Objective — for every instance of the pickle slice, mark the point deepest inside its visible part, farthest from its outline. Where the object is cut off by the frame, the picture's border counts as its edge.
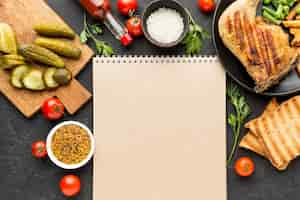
(33, 80)
(10, 61)
(62, 76)
(48, 78)
(60, 46)
(18, 74)
(14, 57)
(54, 30)
(8, 43)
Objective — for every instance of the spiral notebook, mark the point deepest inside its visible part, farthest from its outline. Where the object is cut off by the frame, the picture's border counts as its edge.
(159, 124)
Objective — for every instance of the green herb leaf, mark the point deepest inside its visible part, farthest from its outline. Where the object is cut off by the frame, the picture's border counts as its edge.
(83, 37)
(103, 49)
(194, 45)
(235, 120)
(89, 31)
(96, 29)
(232, 120)
(193, 41)
(107, 50)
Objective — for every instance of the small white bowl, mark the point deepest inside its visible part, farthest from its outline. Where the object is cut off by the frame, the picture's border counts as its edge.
(53, 157)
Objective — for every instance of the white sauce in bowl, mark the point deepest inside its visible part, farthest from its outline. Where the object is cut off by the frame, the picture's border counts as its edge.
(165, 25)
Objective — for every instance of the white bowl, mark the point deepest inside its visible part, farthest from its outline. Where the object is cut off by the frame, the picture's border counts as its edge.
(53, 157)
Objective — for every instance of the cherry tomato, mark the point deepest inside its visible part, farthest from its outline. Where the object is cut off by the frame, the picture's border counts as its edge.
(134, 26)
(53, 109)
(207, 6)
(38, 149)
(106, 5)
(127, 7)
(70, 185)
(244, 166)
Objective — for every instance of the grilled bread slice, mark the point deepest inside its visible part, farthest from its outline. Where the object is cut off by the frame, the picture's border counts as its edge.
(279, 132)
(251, 141)
(271, 107)
(262, 48)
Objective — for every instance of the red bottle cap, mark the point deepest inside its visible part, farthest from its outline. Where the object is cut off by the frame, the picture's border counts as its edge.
(126, 39)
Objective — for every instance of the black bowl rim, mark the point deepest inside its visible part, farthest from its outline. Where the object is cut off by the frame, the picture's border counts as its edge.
(165, 45)
(266, 93)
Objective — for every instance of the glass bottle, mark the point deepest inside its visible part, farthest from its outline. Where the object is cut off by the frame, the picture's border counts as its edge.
(100, 9)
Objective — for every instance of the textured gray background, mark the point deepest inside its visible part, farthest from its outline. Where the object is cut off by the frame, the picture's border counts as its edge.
(23, 177)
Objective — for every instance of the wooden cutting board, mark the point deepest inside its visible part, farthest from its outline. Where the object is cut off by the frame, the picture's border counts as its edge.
(22, 15)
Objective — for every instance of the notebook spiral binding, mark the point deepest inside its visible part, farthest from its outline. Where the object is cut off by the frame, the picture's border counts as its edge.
(144, 59)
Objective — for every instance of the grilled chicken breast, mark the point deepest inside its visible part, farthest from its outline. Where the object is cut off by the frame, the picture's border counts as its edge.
(262, 48)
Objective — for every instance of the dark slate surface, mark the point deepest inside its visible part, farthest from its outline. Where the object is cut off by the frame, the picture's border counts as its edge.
(23, 177)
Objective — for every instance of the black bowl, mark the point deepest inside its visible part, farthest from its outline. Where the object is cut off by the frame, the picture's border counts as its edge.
(153, 6)
(289, 85)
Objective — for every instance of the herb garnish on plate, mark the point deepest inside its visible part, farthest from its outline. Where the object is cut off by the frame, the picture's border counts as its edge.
(194, 38)
(235, 120)
(89, 31)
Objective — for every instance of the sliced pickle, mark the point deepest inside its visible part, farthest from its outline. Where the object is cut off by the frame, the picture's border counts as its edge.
(18, 74)
(10, 61)
(48, 78)
(8, 42)
(62, 76)
(33, 80)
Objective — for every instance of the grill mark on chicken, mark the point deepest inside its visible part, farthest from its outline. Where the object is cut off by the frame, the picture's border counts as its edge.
(237, 29)
(297, 137)
(297, 106)
(269, 59)
(272, 46)
(263, 46)
(253, 56)
(275, 60)
(229, 24)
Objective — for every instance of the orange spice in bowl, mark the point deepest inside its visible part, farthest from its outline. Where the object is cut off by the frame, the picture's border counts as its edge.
(70, 145)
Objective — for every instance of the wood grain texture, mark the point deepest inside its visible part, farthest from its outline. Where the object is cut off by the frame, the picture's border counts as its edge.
(22, 15)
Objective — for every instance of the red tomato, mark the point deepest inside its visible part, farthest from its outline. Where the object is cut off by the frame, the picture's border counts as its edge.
(70, 185)
(106, 5)
(38, 149)
(244, 166)
(134, 26)
(53, 109)
(207, 6)
(127, 7)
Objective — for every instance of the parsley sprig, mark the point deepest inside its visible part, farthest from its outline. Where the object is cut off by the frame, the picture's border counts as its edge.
(89, 31)
(235, 120)
(193, 41)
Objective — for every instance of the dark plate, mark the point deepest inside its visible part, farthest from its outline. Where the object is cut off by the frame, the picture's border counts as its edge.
(289, 85)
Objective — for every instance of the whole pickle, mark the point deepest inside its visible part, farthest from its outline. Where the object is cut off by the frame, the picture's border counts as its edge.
(8, 42)
(10, 61)
(54, 30)
(42, 55)
(60, 46)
